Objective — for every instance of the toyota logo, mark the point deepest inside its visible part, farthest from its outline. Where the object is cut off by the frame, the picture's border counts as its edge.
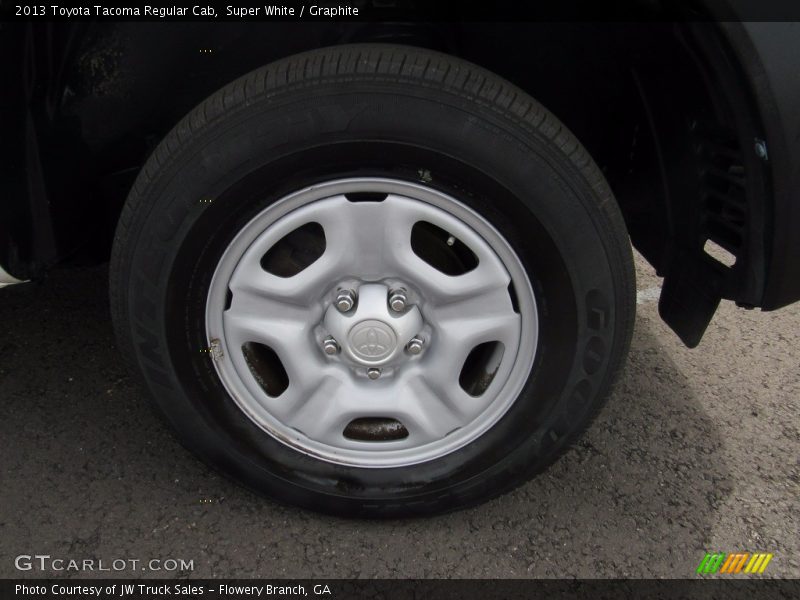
(372, 341)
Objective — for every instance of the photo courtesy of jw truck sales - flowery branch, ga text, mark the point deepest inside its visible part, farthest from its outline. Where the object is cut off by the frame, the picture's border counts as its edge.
(171, 589)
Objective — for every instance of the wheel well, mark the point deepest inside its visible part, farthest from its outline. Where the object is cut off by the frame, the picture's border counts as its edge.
(662, 109)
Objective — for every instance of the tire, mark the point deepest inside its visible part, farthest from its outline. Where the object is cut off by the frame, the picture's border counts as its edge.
(357, 137)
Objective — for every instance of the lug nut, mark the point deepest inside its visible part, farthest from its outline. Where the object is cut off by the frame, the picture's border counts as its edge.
(373, 373)
(345, 300)
(415, 345)
(398, 299)
(330, 346)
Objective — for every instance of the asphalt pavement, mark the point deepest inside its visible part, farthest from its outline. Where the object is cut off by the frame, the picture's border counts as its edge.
(697, 451)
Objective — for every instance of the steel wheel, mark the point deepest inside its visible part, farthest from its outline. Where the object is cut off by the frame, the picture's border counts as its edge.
(372, 351)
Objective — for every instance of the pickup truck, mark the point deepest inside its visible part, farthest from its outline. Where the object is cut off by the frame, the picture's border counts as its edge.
(384, 268)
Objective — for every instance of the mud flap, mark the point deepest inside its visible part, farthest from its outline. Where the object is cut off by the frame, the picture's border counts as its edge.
(690, 297)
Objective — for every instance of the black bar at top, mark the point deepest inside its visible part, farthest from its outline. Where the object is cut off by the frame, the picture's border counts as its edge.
(408, 10)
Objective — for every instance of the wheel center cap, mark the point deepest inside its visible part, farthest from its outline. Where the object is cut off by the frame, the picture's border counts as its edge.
(371, 334)
(372, 341)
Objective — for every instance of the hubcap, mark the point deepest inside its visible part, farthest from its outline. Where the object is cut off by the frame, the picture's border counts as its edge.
(407, 316)
(372, 341)
(372, 334)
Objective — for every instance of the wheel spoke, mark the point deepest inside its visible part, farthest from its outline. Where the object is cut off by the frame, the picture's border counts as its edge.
(430, 414)
(366, 237)
(287, 329)
(252, 278)
(318, 416)
(459, 328)
(337, 402)
(437, 286)
(488, 317)
(427, 414)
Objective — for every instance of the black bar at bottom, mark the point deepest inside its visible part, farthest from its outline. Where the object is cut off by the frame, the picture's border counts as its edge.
(430, 589)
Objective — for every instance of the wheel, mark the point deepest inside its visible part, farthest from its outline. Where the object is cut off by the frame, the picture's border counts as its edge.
(373, 280)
